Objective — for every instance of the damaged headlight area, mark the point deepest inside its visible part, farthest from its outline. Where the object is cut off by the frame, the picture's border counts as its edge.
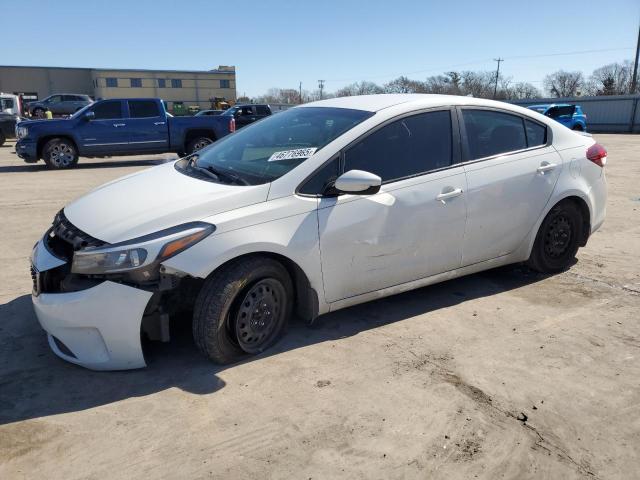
(140, 256)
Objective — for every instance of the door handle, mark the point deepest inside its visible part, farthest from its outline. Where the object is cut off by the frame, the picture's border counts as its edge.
(546, 167)
(450, 194)
(119, 124)
(158, 123)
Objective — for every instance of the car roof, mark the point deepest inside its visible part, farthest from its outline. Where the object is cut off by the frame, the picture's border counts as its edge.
(375, 103)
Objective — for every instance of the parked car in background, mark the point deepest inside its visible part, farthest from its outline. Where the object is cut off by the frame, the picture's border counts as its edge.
(10, 103)
(8, 123)
(113, 127)
(59, 104)
(209, 112)
(246, 114)
(570, 116)
(323, 206)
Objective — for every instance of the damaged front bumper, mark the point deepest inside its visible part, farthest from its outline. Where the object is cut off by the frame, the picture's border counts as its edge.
(98, 327)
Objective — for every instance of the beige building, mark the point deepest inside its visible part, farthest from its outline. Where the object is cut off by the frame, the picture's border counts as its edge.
(186, 87)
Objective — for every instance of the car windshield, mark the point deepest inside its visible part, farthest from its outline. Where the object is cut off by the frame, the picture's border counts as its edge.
(268, 149)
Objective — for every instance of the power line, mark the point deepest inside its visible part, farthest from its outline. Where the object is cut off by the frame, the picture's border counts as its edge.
(475, 62)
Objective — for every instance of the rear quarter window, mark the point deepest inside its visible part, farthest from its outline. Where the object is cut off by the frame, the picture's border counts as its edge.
(536, 134)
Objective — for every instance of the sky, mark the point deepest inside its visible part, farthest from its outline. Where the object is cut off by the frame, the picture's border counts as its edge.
(278, 43)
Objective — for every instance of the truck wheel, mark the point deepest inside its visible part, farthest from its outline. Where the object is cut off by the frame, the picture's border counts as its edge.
(59, 154)
(242, 309)
(197, 144)
(558, 239)
(38, 112)
(2, 139)
(577, 128)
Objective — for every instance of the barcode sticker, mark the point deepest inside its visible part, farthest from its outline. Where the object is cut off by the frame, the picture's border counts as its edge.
(291, 154)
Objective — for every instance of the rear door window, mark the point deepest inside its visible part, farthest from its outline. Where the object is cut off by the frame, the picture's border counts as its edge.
(262, 110)
(108, 110)
(143, 109)
(404, 148)
(490, 133)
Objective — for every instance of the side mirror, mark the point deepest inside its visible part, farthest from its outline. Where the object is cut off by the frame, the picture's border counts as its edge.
(358, 182)
(88, 116)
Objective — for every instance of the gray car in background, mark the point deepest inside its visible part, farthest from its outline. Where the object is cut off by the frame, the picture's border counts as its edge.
(59, 104)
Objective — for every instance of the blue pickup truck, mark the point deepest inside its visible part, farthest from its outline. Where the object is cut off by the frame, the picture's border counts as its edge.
(133, 126)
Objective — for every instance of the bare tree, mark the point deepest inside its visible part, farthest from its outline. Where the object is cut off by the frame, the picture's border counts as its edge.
(520, 90)
(404, 85)
(564, 84)
(359, 88)
(478, 84)
(612, 79)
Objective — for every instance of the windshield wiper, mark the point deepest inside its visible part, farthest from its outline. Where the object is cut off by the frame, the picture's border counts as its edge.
(191, 162)
(228, 175)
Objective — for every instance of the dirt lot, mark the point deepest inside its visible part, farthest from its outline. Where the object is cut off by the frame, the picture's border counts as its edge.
(505, 374)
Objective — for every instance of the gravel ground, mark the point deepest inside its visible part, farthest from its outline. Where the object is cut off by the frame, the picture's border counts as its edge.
(504, 374)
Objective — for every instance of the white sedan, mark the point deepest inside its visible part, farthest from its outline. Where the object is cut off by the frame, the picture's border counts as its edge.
(323, 206)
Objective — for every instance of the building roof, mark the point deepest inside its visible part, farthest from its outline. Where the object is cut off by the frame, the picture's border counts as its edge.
(123, 69)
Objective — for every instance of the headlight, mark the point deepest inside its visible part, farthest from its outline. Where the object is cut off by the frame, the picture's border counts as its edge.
(21, 132)
(141, 252)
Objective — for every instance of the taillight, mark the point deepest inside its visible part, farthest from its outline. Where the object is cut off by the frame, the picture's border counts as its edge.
(232, 125)
(597, 154)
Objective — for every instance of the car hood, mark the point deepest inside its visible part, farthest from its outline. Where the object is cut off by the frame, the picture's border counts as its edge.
(48, 123)
(154, 199)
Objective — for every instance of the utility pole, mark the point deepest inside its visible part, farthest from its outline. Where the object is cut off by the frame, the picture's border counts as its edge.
(321, 87)
(495, 88)
(634, 79)
(300, 92)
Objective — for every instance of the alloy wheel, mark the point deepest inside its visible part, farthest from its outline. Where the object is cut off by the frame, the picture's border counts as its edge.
(61, 155)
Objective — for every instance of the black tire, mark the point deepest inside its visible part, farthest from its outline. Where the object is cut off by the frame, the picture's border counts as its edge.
(2, 139)
(222, 328)
(558, 239)
(198, 143)
(60, 154)
(577, 128)
(38, 112)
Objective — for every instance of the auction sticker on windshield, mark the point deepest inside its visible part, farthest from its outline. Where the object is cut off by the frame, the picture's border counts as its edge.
(291, 154)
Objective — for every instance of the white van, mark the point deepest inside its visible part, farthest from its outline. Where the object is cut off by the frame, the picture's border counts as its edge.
(10, 104)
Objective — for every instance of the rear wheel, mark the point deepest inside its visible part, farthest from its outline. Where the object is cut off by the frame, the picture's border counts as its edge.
(60, 153)
(242, 309)
(198, 144)
(578, 128)
(558, 239)
(2, 139)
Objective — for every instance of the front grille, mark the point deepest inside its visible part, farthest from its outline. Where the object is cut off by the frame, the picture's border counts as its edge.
(35, 280)
(64, 238)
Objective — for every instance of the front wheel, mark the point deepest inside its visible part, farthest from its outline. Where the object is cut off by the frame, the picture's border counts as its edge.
(558, 239)
(242, 309)
(198, 144)
(2, 139)
(38, 113)
(60, 153)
